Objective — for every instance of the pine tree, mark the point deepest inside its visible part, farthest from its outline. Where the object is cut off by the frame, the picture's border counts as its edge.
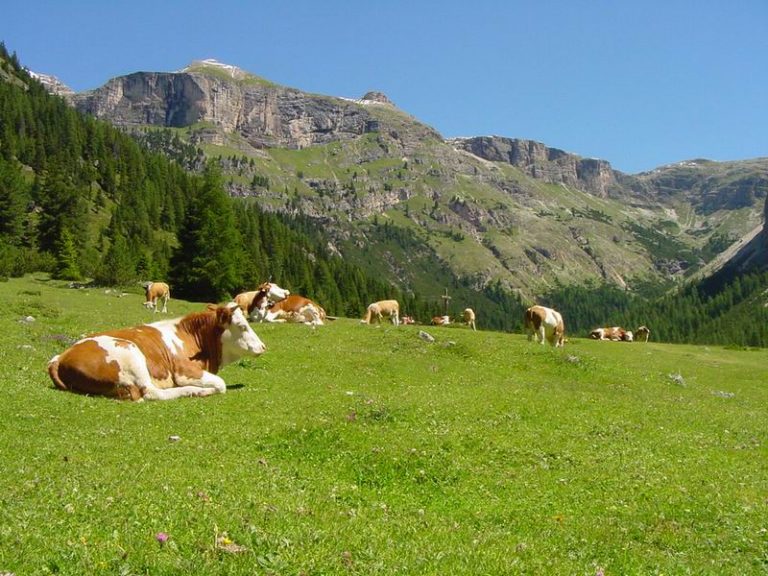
(206, 266)
(13, 200)
(118, 267)
(66, 257)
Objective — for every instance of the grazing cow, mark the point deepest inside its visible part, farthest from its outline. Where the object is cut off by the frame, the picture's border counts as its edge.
(643, 333)
(441, 320)
(156, 291)
(542, 322)
(614, 333)
(469, 318)
(377, 310)
(255, 302)
(159, 361)
(294, 308)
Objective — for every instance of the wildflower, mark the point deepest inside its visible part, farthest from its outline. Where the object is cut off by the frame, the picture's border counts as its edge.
(161, 538)
(226, 544)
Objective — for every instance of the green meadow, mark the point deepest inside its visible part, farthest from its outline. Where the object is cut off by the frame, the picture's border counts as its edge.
(353, 449)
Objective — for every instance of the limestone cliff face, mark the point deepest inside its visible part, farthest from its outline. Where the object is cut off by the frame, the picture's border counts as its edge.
(262, 113)
(544, 163)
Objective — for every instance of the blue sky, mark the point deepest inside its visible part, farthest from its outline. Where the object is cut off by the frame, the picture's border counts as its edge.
(640, 84)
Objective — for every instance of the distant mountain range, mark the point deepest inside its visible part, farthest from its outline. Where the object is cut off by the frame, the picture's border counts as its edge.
(397, 197)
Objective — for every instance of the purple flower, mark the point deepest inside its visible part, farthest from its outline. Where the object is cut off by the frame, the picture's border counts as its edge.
(161, 537)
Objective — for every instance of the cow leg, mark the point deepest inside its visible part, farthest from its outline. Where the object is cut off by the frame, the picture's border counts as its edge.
(540, 335)
(188, 385)
(165, 305)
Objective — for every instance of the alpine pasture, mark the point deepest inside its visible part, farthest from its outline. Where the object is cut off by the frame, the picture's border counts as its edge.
(355, 449)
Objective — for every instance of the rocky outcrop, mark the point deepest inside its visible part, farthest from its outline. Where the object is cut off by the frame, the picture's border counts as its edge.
(262, 113)
(709, 186)
(53, 84)
(378, 97)
(543, 163)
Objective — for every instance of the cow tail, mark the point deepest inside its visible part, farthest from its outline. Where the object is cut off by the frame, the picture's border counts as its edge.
(53, 372)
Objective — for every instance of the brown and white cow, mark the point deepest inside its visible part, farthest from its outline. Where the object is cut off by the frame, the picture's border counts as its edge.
(294, 308)
(441, 320)
(377, 310)
(643, 333)
(159, 361)
(544, 323)
(155, 292)
(469, 318)
(407, 320)
(614, 333)
(256, 302)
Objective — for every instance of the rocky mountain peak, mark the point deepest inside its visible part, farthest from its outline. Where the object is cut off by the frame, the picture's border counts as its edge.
(215, 65)
(377, 98)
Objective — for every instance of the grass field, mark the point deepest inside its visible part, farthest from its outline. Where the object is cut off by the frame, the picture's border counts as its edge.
(351, 449)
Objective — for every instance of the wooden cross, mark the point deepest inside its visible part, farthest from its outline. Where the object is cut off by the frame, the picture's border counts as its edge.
(446, 299)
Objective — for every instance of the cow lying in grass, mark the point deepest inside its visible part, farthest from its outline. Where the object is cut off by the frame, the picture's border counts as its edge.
(156, 292)
(159, 361)
(294, 308)
(544, 324)
(377, 310)
(614, 333)
(255, 302)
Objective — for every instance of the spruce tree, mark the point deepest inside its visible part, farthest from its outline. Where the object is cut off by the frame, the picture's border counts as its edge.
(66, 257)
(118, 267)
(206, 265)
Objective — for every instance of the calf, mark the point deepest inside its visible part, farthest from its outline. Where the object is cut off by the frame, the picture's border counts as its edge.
(377, 310)
(159, 361)
(544, 323)
(156, 291)
(441, 320)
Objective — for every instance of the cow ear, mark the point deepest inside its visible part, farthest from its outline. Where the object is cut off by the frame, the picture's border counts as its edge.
(223, 316)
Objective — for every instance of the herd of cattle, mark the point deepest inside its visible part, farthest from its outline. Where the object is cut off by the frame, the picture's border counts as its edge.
(180, 357)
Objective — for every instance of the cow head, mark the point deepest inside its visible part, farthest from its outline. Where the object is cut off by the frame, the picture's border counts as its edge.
(238, 338)
(274, 292)
(149, 305)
